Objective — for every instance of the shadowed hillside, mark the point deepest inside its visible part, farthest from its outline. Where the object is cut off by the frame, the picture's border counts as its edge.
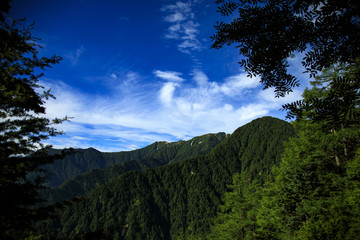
(155, 155)
(84, 160)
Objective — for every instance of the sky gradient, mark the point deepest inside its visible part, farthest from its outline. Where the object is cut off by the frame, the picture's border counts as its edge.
(136, 72)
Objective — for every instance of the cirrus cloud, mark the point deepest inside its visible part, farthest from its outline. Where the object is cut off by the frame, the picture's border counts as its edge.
(184, 27)
(169, 110)
(169, 75)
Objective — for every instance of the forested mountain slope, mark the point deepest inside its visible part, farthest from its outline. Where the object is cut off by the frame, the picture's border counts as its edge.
(84, 160)
(178, 199)
(155, 155)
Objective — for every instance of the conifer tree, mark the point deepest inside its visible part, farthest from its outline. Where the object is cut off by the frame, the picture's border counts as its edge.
(313, 194)
(237, 216)
(23, 127)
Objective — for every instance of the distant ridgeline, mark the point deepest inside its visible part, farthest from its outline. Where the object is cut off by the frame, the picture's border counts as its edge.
(171, 201)
(84, 160)
(101, 167)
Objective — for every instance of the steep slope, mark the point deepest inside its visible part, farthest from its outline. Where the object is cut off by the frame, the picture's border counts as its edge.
(161, 153)
(80, 161)
(84, 160)
(167, 202)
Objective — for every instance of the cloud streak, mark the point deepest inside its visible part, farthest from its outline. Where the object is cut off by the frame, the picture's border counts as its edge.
(170, 110)
(183, 26)
(169, 75)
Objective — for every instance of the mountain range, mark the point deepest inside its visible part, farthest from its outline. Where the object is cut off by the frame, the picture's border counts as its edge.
(169, 193)
(85, 169)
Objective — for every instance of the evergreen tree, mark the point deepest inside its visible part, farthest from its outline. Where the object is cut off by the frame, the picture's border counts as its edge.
(237, 216)
(334, 102)
(308, 198)
(313, 194)
(22, 127)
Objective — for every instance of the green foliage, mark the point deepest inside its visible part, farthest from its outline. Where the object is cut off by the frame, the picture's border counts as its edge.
(267, 33)
(237, 216)
(22, 127)
(173, 201)
(333, 100)
(313, 194)
(309, 196)
(33, 237)
(307, 199)
(154, 155)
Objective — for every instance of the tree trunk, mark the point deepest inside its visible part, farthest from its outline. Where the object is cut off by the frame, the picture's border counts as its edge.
(337, 159)
(344, 142)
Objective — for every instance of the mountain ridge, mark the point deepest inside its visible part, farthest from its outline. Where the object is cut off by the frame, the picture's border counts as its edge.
(154, 155)
(175, 200)
(81, 161)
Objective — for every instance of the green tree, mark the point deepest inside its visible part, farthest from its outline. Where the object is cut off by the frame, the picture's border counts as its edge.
(313, 194)
(22, 127)
(267, 33)
(334, 102)
(237, 216)
(309, 195)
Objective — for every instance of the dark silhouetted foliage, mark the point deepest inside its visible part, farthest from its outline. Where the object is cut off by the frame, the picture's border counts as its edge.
(268, 33)
(22, 127)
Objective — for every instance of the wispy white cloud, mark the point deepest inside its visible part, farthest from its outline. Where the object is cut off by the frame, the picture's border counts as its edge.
(170, 110)
(175, 17)
(268, 96)
(200, 77)
(236, 85)
(184, 27)
(169, 75)
(166, 93)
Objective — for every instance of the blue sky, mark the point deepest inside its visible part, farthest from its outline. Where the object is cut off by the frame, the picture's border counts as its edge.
(140, 71)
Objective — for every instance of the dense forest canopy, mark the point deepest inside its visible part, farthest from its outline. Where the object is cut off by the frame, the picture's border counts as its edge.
(173, 201)
(106, 166)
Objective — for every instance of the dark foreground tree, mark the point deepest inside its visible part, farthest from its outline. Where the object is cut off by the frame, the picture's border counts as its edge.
(22, 127)
(268, 33)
